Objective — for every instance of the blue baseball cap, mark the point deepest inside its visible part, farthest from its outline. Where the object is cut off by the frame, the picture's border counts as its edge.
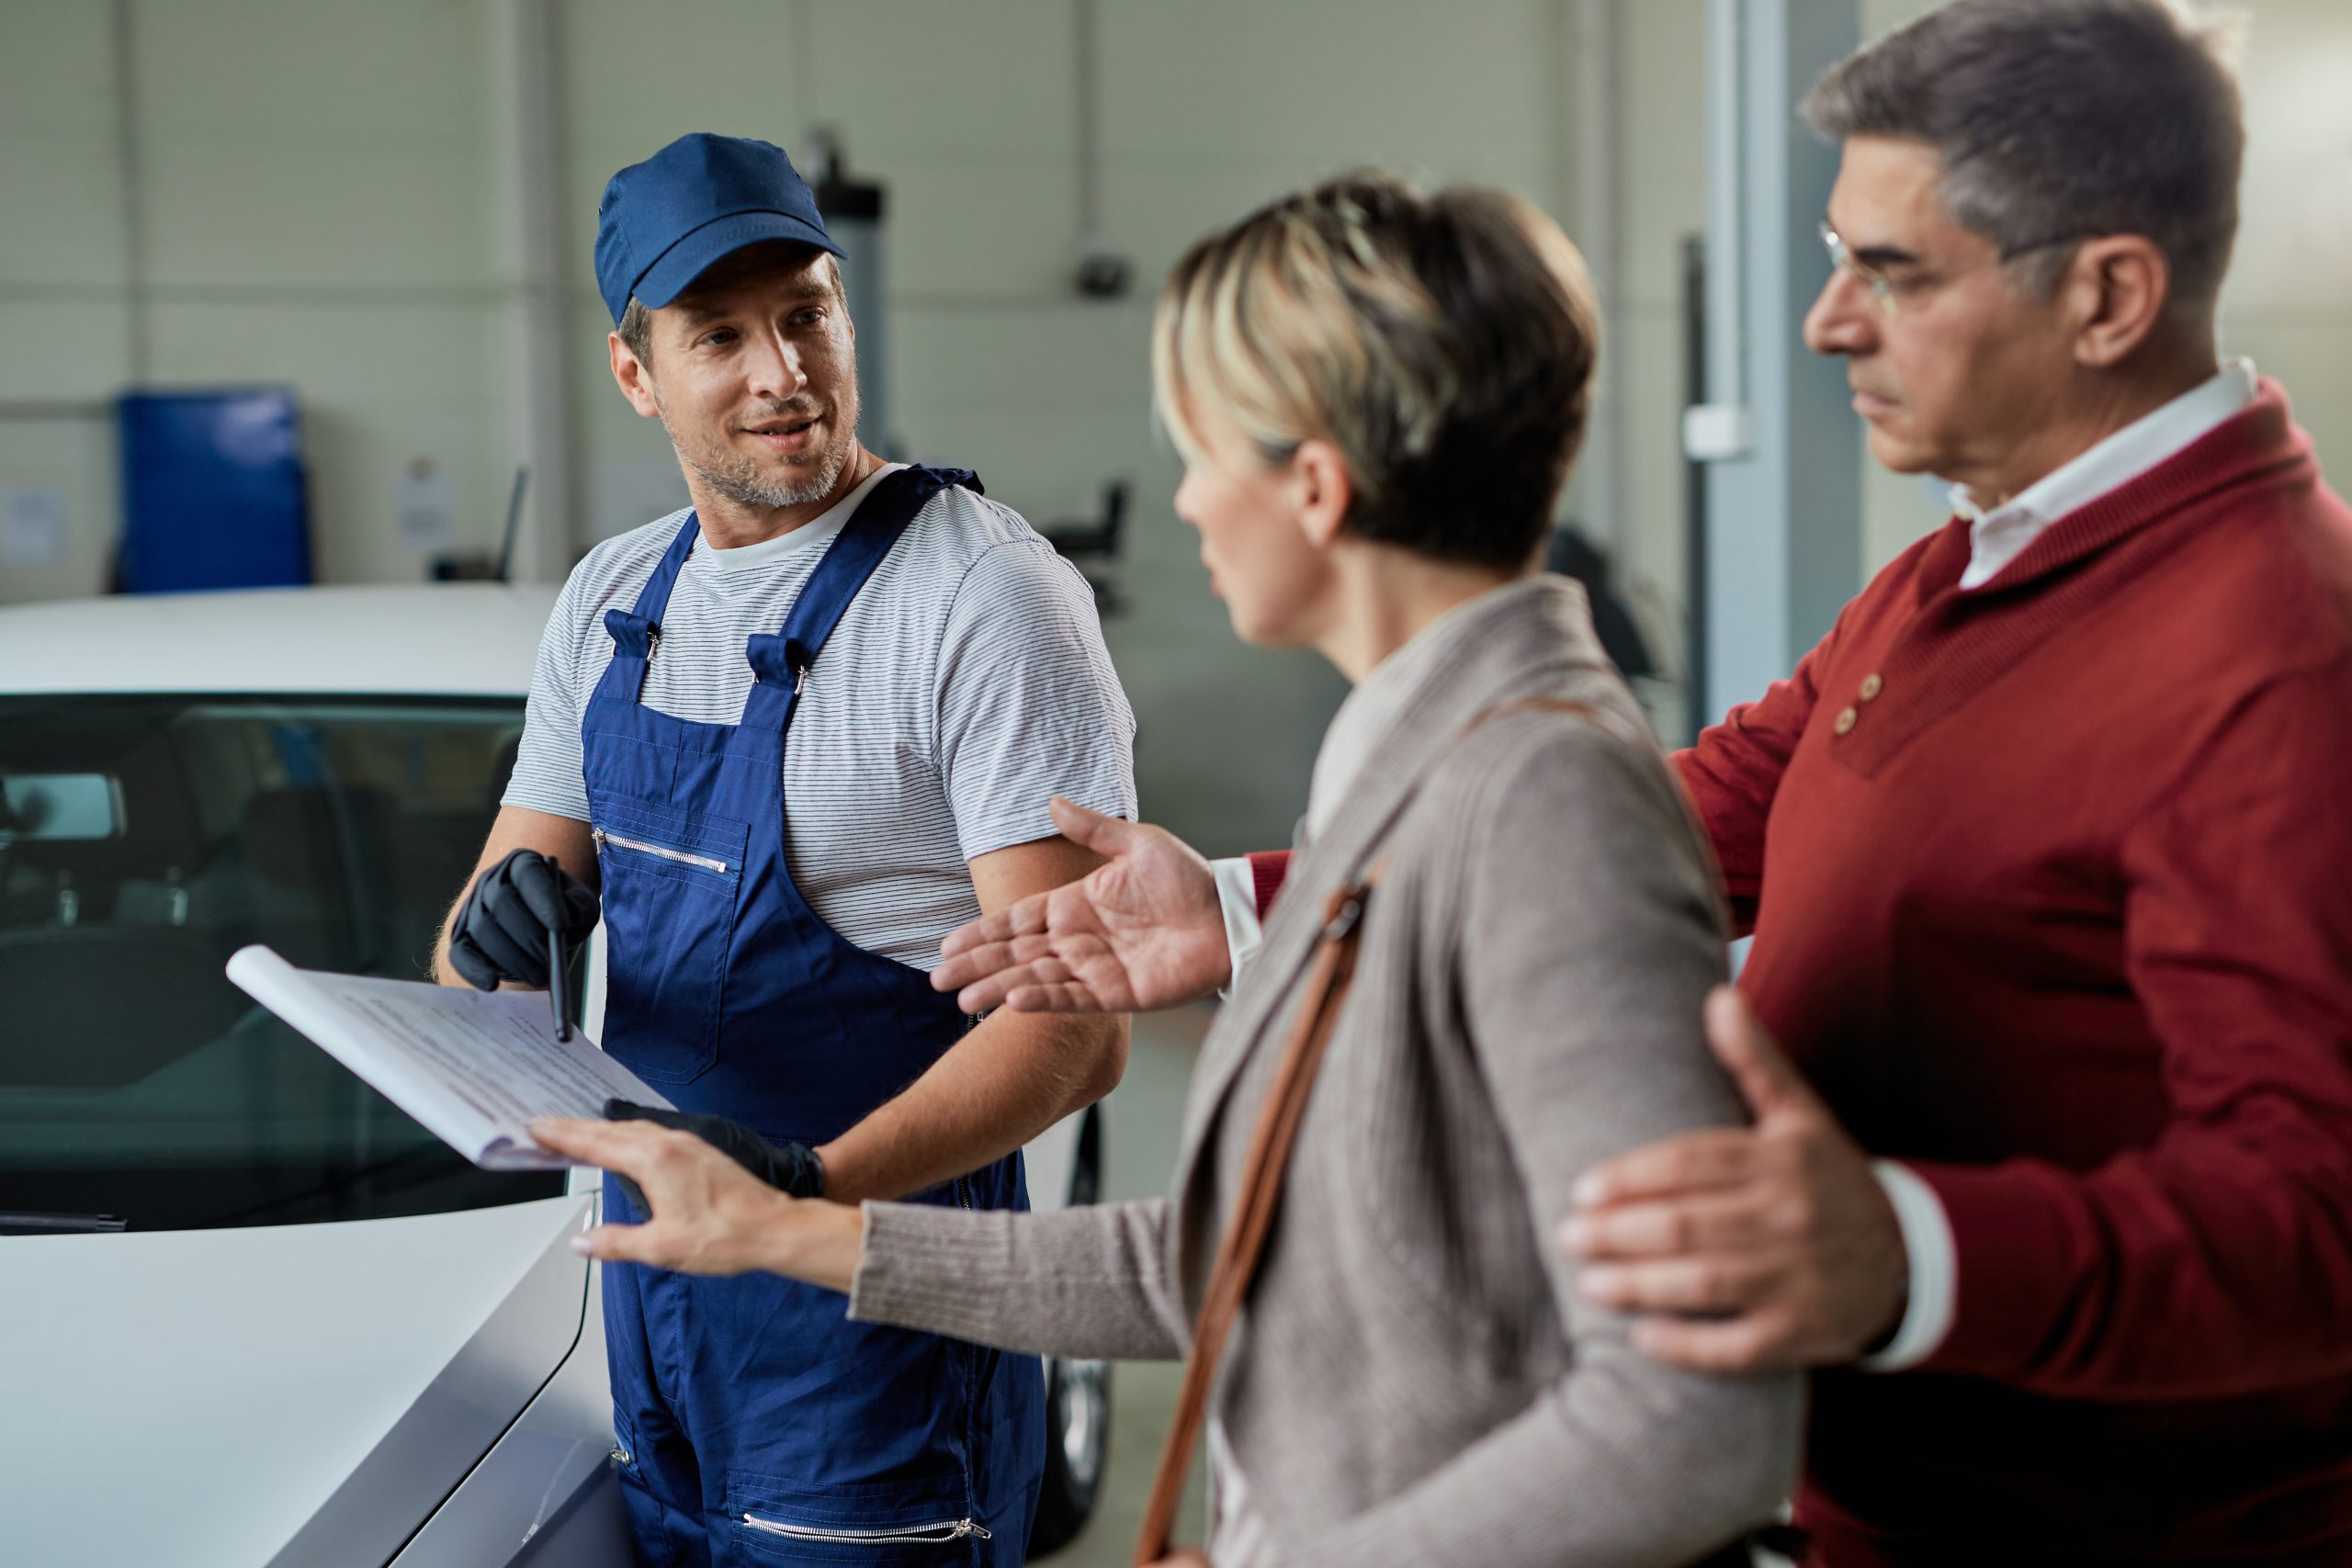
(664, 222)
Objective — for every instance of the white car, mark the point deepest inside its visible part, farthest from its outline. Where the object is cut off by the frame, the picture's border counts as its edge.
(251, 1311)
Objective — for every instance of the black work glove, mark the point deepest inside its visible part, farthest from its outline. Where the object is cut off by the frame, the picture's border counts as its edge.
(787, 1167)
(500, 932)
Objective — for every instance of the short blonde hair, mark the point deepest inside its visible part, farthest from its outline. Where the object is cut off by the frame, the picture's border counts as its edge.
(1443, 342)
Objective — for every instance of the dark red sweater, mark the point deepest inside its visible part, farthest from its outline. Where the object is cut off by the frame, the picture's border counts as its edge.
(2062, 917)
(2052, 890)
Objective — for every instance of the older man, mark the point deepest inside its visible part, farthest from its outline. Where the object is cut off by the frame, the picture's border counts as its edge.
(2045, 847)
(2047, 850)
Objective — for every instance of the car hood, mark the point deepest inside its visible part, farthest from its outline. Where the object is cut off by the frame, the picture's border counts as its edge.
(276, 1394)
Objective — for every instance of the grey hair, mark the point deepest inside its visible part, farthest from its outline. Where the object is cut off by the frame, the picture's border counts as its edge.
(2058, 120)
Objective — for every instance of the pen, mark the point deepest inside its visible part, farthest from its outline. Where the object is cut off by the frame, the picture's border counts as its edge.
(556, 979)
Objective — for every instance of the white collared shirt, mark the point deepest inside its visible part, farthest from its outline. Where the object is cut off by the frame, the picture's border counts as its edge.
(1998, 537)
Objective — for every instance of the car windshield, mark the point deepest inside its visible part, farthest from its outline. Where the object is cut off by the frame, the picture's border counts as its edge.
(145, 839)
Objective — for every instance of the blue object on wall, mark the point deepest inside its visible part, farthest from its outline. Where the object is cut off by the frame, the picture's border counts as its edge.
(214, 493)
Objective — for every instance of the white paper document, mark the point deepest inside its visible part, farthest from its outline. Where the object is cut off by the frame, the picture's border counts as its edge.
(475, 1067)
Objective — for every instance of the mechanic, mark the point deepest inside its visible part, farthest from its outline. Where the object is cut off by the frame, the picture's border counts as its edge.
(770, 907)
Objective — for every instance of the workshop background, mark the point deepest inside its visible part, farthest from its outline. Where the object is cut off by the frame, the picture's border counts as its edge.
(388, 209)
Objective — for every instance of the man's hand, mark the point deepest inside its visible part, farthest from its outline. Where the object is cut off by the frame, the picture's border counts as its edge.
(501, 930)
(1140, 931)
(706, 1213)
(1745, 1249)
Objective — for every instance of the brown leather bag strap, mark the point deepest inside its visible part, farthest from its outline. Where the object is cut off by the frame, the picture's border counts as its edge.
(1244, 1241)
(1245, 1233)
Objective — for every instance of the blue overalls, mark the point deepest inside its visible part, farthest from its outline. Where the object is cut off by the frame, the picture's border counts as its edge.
(759, 1425)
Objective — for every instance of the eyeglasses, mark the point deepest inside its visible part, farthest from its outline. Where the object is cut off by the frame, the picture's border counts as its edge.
(1887, 291)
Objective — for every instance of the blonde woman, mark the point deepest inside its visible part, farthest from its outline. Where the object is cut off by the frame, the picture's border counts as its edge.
(1485, 975)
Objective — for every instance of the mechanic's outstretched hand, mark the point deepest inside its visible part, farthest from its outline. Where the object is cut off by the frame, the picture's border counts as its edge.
(1745, 1249)
(500, 932)
(1139, 932)
(706, 1214)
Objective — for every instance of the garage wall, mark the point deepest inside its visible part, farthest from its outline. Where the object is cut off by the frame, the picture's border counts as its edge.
(2289, 301)
(969, 115)
(319, 190)
(63, 342)
(304, 220)
(1663, 176)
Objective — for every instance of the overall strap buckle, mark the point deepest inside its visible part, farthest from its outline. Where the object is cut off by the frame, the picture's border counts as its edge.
(633, 635)
(780, 662)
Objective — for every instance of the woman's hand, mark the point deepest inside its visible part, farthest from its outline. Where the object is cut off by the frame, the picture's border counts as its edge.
(707, 1214)
(1141, 932)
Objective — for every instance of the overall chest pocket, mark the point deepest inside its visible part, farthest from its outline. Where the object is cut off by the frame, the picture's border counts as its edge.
(670, 886)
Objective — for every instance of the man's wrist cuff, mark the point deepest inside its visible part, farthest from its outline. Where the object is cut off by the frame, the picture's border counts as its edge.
(1237, 897)
(1934, 1262)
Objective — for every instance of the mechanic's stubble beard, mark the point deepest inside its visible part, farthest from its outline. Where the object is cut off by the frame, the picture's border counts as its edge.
(739, 477)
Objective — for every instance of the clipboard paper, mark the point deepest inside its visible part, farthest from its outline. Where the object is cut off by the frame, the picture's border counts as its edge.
(474, 1067)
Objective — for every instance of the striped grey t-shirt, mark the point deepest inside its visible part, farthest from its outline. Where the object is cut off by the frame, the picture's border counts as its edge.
(966, 685)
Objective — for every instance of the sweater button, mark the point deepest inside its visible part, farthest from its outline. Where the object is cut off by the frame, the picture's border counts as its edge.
(1845, 717)
(1871, 686)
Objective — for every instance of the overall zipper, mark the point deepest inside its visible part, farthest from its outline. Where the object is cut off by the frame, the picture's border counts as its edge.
(956, 1531)
(663, 850)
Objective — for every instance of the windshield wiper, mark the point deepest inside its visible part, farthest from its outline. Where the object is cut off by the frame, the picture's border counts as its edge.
(25, 1222)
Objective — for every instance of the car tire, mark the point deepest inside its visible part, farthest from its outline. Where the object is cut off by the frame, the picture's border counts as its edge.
(1078, 1448)
(1078, 1402)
